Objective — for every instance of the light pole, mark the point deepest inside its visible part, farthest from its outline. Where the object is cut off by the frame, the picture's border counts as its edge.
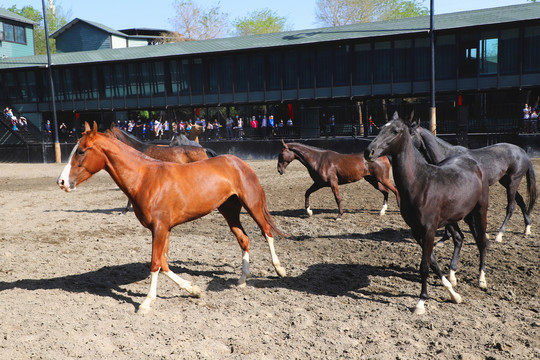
(57, 153)
(433, 110)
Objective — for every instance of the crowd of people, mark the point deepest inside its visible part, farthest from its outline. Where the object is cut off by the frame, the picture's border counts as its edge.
(17, 124)
(530, 119)
(232, 128)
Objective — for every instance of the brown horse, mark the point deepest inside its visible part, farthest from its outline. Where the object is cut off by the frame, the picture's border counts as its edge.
(180, 154)
(166, 194)
(329, 168)
(195, 131)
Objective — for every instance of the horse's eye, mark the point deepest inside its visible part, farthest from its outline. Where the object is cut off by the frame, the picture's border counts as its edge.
(80, 152)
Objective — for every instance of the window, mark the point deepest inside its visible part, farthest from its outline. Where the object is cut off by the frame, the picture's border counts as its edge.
(14, 33)
(342, 69)
(488, 53)
(468, 55)
(241, 73)
(305, 71)
(290, 80)
(531, 49)
(382, 62)
(445, 56)
(256, 71)
(275, 71)
(509, 52)
(362, 64)
(402, 60)
(324, 67)
(422, 59)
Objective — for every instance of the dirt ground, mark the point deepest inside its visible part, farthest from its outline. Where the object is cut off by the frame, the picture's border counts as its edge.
(73, 270)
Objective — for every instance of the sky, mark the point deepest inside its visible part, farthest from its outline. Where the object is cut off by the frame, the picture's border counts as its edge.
(157, 14)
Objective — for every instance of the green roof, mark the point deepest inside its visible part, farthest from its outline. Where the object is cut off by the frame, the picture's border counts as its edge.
(458, 20)
(6, 14)
(92, 23)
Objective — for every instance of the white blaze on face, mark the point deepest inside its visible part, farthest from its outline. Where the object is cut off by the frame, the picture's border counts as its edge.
(63, 179)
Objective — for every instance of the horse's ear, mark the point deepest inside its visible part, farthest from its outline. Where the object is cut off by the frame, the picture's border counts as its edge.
(395, 116)
(411, 117)
(95, 129)
(284, 145)
(86, 126)
(113, 125)
(418, 122)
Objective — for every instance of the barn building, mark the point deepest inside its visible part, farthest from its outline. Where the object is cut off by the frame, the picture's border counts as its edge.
(487, 68)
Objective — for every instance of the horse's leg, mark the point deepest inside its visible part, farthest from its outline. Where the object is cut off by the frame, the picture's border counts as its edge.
(382, 188)
(457, 237)
(511, 186)
(160, 248)
(526, 215)
(477, 221)
(335, 190)
(428, 260)
(257, 213)
(128, 207)
(310, 191)
(230, 210)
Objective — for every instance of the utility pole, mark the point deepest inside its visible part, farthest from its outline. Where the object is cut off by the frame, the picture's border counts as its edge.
(57, 152)
(433, 109)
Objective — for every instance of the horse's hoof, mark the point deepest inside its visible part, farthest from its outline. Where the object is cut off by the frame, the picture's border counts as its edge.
(338, 218)
(419, 310)
(241, 283)
(195, 291)
(144, 308)
(482, 284)
(456, 298)
(499, 237)
(528, 230)
(309, 211)
(280, 270)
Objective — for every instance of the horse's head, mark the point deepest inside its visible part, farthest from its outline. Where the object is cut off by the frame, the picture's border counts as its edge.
(284, 158)
(415, 130)
(390, 140)
(85, 160)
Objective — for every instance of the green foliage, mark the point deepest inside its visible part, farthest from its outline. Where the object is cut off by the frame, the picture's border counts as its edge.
(260, 22)
(56, 18)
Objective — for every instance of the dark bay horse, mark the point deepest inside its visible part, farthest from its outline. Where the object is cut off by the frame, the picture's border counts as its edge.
(504, 163)
(433, 197)
(166, 194)
(328, 168)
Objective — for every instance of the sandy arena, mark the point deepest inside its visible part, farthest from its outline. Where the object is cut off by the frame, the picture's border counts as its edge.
(73, 270)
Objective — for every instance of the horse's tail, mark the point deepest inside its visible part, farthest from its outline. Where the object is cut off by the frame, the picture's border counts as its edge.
(211, 153)
(270, 220)
(531, 187)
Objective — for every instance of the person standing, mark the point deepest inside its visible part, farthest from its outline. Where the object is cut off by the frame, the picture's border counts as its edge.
(526, 119)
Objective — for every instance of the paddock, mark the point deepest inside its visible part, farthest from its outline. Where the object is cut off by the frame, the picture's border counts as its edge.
(73, 270)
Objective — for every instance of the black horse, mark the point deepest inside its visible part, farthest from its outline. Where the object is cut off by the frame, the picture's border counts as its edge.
(433, 197)
(504, 163)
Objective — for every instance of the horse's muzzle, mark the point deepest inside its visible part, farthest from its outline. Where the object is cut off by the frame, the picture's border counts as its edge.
(64, 185)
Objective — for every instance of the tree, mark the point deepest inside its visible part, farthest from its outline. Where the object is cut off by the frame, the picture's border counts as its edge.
(194, 23)
(56, 18)
(345, 12)
(260, 22)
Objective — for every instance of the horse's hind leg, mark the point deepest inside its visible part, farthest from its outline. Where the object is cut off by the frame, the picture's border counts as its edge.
(477, 221)
(526, 217)
(382, 188)
(310, 191)
(511, 186)
(230, 210)
(337, 197)
(457, 237)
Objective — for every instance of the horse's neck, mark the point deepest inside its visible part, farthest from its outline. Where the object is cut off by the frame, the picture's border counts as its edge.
(437, 149)
(305, 156)
(122, 164)
(134, 143)
(408, 167)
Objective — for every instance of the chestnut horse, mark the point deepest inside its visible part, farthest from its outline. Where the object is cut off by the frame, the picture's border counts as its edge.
(328, 168)
(166, 194)
(433, 197)
(179, 154)
(504, 163)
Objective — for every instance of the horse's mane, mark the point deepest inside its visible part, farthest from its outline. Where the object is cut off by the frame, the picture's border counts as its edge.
(307, 147)
(127, 134)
